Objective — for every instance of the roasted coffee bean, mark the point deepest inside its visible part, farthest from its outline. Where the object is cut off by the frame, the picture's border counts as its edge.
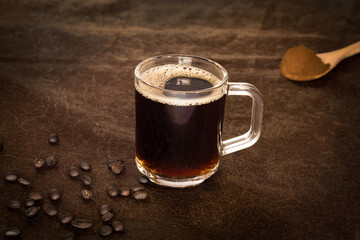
(117, 226)
(137, 188)
(53, 139)
(105, 230)
(116, 166)
(12, 232)
(66, 218)
(140, 195)
(124, 192)
(39, 163)
(49, 209)
(86, 194)
(36, 196)
(143, 180)
(13, 204)
(73, 172)
(29, 202)
(11, 176)
(107, 217)
(86, 180)
(54, 194)
(51, 161)
(112, 191)
(32, 211)
(69, 236)
(24, 182)
(81, 223)
(105, 209)
(1, 147)
(85, 166)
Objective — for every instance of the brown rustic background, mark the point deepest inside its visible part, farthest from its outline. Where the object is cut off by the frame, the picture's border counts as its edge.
(67, 67)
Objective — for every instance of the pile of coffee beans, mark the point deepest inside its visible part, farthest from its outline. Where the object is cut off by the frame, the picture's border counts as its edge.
(14, 176)
(138, 192)
(105, 209)
(31, 207)
(50, 162)
(116, 166)
(34, 204)
(74, 173)
(109, 226)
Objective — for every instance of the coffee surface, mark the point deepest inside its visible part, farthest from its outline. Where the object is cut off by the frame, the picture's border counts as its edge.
(175, 77)
(187, 84)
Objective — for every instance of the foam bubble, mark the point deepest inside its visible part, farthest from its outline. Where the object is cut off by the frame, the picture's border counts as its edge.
(158, 76)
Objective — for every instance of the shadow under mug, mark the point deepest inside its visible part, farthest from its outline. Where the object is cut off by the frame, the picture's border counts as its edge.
(180, 102)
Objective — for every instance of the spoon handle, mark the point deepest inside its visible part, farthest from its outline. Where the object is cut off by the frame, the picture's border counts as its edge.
(351, 50)
(336, 56)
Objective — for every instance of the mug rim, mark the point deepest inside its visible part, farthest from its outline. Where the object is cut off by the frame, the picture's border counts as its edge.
(222, 81)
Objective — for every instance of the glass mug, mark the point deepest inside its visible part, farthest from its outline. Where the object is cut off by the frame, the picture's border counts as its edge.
(179, 102)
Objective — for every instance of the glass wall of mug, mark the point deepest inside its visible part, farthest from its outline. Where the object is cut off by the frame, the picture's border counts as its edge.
(180, 104)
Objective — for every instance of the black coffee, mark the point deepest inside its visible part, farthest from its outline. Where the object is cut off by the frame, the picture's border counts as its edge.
(175, 140)
(187, 84)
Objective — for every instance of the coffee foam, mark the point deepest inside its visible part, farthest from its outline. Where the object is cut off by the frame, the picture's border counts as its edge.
(158, 76)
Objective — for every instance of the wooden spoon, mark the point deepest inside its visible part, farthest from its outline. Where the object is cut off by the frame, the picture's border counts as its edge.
(298, 71)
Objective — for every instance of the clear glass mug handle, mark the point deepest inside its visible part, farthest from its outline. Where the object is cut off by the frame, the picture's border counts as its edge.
(250, 137)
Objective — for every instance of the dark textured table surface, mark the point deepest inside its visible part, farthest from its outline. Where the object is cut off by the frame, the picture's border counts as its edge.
(67, 67)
